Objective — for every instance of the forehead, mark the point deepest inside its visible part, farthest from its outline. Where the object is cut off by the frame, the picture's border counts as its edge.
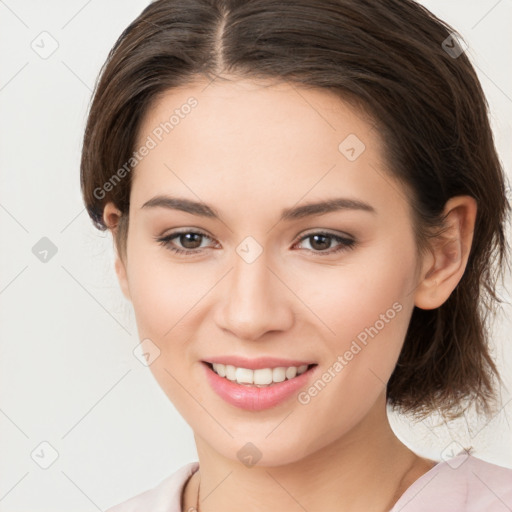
(232, 138)
(251, 112)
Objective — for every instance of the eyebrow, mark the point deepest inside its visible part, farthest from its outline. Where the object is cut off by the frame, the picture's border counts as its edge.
(288, 214)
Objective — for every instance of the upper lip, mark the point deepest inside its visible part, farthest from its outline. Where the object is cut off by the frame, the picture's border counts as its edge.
(257, 363)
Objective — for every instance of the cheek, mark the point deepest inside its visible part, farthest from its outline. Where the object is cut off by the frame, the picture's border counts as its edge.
(367, 310)
(354, 296)
(162, 293)
(364, 308)
(165, 299)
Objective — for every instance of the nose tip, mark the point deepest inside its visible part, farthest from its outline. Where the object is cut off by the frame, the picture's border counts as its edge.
(254, 301)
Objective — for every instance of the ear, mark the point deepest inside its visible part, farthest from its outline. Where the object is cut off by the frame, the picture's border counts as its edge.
(111, 217)
(443, 269)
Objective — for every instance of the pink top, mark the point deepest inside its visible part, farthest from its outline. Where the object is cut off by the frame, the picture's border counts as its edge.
(461, 484)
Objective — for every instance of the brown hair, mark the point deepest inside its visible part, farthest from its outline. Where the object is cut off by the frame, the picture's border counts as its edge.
(405, 67)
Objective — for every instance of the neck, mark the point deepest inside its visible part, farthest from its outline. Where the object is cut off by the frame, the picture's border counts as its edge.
(366, 469)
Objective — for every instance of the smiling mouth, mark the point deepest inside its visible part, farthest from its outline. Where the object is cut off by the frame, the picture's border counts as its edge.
(262, 377)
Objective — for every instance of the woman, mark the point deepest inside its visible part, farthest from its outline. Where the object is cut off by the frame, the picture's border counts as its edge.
(307, 207)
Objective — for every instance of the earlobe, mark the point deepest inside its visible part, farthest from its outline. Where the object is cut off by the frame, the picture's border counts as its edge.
(450, 251)
(111, 218)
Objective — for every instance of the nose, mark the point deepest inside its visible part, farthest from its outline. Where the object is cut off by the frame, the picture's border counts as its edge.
(254, 300)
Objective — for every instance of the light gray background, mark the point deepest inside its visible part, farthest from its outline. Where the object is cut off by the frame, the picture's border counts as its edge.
(67, 372)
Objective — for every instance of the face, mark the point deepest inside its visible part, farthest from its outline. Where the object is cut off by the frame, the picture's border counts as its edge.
(255, 276)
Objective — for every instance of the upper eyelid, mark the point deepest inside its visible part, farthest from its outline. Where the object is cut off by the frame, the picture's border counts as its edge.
(324, 232)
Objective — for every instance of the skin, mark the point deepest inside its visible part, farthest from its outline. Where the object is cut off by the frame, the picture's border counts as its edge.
(250, 151)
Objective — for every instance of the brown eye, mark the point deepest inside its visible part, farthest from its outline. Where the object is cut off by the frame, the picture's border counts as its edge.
(184, 242)
(320, 243)
(190, 240)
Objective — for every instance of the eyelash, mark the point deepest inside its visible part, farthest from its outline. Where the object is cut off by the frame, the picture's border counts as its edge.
(345, 243)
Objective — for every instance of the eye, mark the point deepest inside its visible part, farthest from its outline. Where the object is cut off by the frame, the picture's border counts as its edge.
(320, 242)
(190, 241)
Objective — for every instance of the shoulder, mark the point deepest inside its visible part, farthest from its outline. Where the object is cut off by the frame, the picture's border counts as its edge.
(489, 486)
(164, 497)
(464, 483)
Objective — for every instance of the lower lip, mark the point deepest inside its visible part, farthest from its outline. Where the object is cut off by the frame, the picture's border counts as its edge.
(252, 398)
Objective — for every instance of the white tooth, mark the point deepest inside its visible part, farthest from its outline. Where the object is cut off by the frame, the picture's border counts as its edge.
(291, 372)
(230, 372)
(302, 369)
(263, 376)
(279, 374)
(260, 377)
(221, 369)
(244, 376)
